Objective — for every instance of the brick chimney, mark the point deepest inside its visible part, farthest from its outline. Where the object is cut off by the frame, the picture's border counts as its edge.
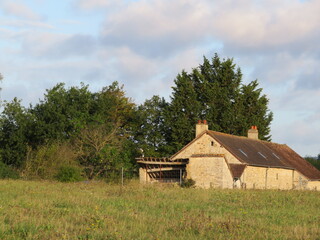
(201, 127)
(253, 133)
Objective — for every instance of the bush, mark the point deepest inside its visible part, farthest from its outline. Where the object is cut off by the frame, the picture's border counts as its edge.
(188, 183)
(69, 174)
(45, 161)
(7, 172)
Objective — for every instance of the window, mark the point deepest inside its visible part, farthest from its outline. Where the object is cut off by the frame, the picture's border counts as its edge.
(276, 155)
(262, 155)
(243, 152)
(212, 143)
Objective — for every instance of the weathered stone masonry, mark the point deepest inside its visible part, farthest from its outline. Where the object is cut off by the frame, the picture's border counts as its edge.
(218, 160)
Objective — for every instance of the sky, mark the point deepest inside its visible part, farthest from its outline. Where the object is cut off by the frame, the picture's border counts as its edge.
(144, 44)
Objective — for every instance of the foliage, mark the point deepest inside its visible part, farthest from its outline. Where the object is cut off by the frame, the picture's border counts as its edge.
(7, 172)
(96, 210)
(69, 174)
(62, 113)
(104, 131)
(14, 130)
(314, 161)
(213, 91)
(100, 143)
(183, 112)
(69, 125)
(45, 161)
(188, 183)
(150, 128)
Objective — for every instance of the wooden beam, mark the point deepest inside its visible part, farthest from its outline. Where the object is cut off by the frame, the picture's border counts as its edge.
(162, 163)
(163, 169)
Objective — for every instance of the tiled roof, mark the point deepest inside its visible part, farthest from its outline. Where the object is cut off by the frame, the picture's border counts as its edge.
(262, 153)
(249, 151)
(237, 169)
(291, 158)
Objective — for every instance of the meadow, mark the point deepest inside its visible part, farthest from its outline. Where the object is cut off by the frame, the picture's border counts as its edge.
(97, 210)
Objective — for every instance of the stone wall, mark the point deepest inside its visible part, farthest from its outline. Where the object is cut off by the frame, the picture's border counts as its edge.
(300, 181)
(209, 172)
(143, 176)
(314, 185)
(267, 178)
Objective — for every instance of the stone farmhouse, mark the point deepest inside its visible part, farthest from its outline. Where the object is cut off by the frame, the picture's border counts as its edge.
(219, 160)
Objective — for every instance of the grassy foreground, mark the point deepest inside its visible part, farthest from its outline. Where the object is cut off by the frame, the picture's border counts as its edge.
(96, 210)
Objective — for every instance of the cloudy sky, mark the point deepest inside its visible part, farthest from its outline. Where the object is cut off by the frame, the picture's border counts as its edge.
(143, 44)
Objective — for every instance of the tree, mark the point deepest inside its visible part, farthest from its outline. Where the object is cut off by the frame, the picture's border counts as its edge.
(149, 130)
(214, 91)
(97, 127)
(182, 113)
(62, 113)
(14, 130)
(314, 161)
(254, 110)
(102, 143)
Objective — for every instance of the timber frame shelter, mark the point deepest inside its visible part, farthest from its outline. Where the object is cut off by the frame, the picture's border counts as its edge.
(161, 169)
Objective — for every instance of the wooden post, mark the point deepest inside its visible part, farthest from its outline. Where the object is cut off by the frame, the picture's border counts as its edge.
(180, 176)
(122, 176)
(266, 180)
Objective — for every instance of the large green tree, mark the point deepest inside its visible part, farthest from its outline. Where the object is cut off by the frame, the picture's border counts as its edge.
(96, 126)
(102, 144)
(14, 132)
(149, 128)
(183, 112)
(61, 113)
(213, 91)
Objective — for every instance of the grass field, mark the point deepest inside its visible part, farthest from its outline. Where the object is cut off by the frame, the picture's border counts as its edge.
(96, 210)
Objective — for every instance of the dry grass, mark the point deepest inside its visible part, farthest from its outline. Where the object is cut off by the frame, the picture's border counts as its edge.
(96, 210)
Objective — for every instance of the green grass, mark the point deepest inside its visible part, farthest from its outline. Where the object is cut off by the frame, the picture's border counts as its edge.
(96, 210)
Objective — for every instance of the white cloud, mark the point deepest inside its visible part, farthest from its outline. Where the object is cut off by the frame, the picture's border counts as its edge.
(23, 24)
(157, 28)
(19, 10)
(302, 135)
(267, 24)
(97, 4)
(145, 43)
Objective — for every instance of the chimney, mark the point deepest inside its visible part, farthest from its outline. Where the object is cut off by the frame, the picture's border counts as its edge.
(201, 127)
(253, 133)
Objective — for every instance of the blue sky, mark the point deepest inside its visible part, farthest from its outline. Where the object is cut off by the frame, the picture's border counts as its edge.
(144, 44)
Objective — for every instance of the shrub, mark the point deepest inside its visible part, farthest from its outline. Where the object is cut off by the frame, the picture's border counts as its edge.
(46, 161)
(188, 183)
(7, 172)
(69, 174)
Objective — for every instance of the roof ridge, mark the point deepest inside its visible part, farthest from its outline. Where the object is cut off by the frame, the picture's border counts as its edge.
(244, 137)
(231, 135)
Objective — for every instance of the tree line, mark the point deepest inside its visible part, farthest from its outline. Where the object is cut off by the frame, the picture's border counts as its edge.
(98, 133)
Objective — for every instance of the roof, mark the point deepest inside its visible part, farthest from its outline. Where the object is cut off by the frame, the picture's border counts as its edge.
(256, 152)
(249, 151)
(207, 155)
(291, 158)
(237, 169)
